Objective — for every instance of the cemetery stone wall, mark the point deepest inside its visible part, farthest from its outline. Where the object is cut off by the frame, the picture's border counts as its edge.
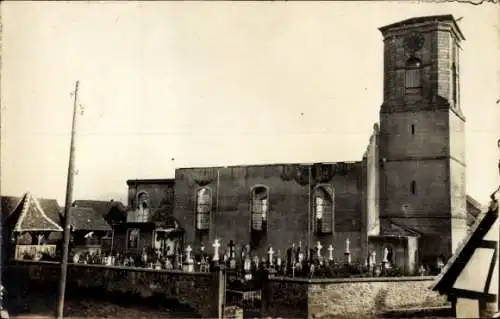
(347, 298)
(199, 291)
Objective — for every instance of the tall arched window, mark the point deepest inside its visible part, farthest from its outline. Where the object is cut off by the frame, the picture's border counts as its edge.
(413, 76)
(259, 207)
(143, 207)
(203, 208)
(323, 210)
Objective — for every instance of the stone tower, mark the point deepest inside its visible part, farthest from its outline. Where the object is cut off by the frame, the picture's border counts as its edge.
(422, 142)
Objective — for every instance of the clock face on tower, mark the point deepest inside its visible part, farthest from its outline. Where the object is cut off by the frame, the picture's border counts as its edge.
(413, 42)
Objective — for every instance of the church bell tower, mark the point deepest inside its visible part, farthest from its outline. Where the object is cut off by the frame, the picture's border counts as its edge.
(422, 142)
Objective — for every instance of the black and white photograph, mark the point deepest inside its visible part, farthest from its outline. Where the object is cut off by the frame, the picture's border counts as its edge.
(250, 159)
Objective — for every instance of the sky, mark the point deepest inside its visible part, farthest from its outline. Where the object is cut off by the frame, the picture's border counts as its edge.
(182, 84)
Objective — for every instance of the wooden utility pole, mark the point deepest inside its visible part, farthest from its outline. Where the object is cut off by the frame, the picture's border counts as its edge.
(67, 209)
(310, 219)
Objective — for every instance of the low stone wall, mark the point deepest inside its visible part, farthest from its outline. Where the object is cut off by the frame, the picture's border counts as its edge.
(199, 291)
(347, 298)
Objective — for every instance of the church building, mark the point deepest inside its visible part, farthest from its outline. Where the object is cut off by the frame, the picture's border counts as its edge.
(406, 196)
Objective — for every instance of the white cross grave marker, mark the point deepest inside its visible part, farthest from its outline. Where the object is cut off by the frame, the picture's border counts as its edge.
(330, 250)
(216, 246)
(347, 243)
(270, 252)
(188, 253)
(319, 246)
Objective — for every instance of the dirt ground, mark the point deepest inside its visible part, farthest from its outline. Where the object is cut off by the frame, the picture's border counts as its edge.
(42, 305)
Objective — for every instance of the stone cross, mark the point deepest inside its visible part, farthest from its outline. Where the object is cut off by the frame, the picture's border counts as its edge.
(347, 243)
(318, 247)
(330, 250)
(270, 253)
(188, 266)
(188, 253)
(386, 253)
(216, 246)
(247, 264)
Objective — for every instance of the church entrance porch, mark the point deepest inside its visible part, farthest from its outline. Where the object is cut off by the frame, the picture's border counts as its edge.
(395, 252)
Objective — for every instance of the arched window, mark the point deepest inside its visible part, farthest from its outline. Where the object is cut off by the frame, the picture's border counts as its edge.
(413, 76)
(143, 207)
(323, 210)
(203, 208)
(413, 187)
(133, 238)
(259, 207)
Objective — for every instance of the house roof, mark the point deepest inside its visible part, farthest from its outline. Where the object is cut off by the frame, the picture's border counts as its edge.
(445, 280)
(30, 214)
(85, 218)
(100, 206)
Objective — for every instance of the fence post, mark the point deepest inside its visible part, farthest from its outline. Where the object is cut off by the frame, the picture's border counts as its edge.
(221, 295)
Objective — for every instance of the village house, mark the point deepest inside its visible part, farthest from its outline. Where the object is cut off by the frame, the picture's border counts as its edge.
(88, 231)
(30, 227)
(33, 228)
(113, 212)
(405, 199)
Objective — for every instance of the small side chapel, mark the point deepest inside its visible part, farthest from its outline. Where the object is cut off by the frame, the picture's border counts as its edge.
(150, 224)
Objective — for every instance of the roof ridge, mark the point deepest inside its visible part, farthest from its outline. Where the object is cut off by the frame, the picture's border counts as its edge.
(26, 204)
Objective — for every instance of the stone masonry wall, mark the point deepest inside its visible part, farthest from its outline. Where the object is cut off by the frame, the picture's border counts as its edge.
(200, 291)
(288, 207)
(348, 298)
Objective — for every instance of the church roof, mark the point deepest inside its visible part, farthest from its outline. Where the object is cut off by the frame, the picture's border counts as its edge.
(348, 163)
(425, 19)
(451, 273)
(398, 230)
(151, 181)
(30, 214)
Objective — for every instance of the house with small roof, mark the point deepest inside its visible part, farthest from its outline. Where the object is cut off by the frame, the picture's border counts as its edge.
(470, 278)
(88, 228)
(31, 227)
(113, 212)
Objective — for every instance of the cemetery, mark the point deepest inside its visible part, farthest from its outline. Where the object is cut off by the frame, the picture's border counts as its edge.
(239, 283)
